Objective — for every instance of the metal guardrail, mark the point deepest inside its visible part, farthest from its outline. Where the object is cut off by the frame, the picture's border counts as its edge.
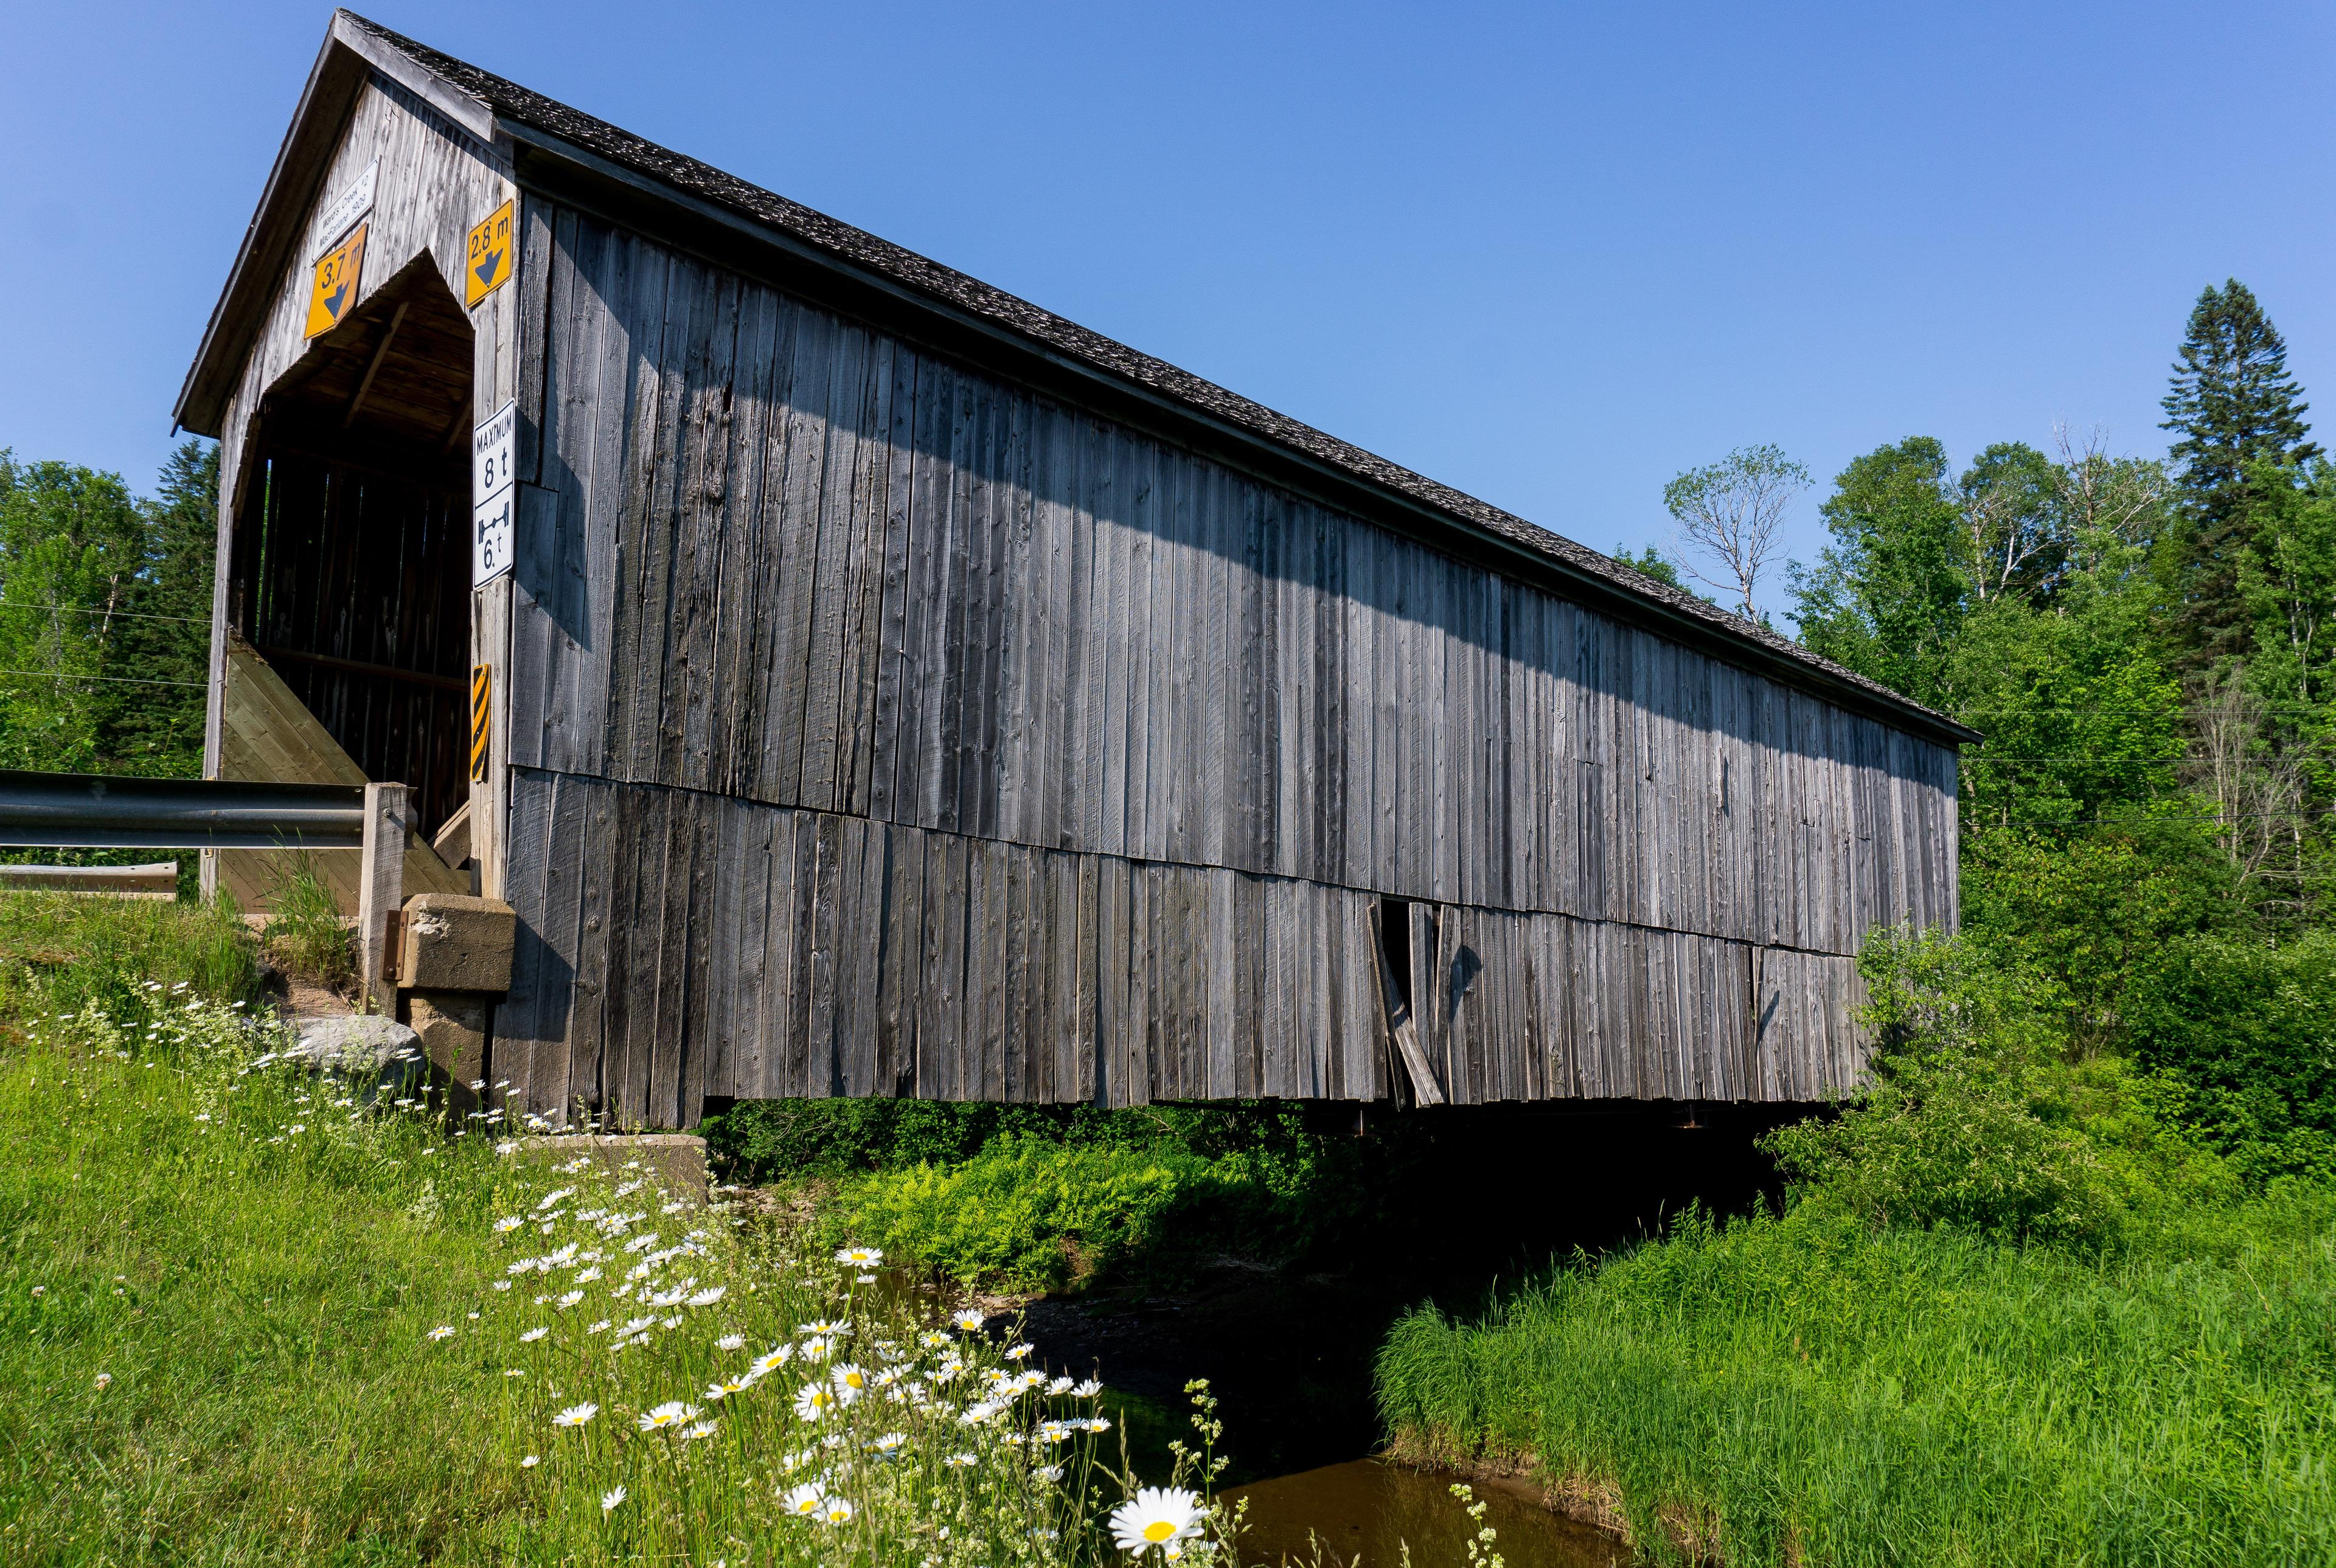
(87, 811)
(83, 811)
(159, 880)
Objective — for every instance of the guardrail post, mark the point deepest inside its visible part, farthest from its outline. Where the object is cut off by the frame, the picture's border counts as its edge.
(381, 892)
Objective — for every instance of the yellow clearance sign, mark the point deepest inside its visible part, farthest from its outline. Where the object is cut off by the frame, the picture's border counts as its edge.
(335, 288)
(489, 266)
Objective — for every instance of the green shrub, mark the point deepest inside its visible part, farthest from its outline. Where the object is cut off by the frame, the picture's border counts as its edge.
(1980, 1117)
(1040, 1196)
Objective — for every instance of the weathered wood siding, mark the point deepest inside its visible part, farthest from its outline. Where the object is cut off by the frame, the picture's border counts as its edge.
(435, 181)
(879, 725)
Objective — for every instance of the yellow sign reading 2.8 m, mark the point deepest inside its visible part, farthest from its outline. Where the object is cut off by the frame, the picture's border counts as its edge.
(488, 265)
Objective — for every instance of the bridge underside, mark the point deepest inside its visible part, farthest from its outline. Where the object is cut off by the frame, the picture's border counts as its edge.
(678, 946)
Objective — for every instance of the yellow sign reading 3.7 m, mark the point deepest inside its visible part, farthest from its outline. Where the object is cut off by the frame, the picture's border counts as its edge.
(488, 265)
(334, 286)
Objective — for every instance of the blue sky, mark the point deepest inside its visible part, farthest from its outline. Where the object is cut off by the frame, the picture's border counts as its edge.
(1550, 254)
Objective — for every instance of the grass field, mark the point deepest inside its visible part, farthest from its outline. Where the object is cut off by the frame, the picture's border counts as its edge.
(1801, 1390)
(244, 1318)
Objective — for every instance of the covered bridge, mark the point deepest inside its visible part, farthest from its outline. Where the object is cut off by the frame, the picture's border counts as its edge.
(887, 688)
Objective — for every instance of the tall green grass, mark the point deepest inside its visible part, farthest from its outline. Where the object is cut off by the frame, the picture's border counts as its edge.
(243, 1320)
(1801, 1390)
(60, 954)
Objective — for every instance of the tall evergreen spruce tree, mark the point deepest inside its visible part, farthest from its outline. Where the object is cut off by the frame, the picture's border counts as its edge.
(2232, 405)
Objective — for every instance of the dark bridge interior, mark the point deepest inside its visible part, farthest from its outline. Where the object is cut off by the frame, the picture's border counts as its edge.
(351, 567)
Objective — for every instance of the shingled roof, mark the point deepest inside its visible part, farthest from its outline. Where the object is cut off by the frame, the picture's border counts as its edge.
(486, 105)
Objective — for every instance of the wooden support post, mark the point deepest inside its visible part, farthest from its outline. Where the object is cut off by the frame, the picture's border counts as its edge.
(381, 891)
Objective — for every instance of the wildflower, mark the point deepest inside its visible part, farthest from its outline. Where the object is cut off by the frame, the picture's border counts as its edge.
(825, 1328)
(1154, 1517)
(708, 1296)
(568, 1300)
(932, 1340)
(818, 1349)
(611, 1498)
(673, 1208)
(204, 1117)
(508, 1222)
(970, 1321)
(1059, 1386)
(860, 1256)
(531, 1462)
(772, 1359)
(814, 1400)
(1053, 1432)
(1048, 1472)
(863, 1279)
(104, 1381)
(1087, 1390)
(473, 1317)
(722, 1388)
(552, 1197)
(626, 1191)
(975, 1414)
(576, 1415)
(672, 1413)
(1017, 1352)
(731, 1342)
(502, 1284)
(672, 1323)
(961, 1461)
(835, 1511)
(889, 1444)
(804, 1501)
(597, 1326)
(508, 1147)
(1097, 1424)
(513, 1372)
(586, 1276)
(850, 1382)
(442, 1331)
(702, 1430)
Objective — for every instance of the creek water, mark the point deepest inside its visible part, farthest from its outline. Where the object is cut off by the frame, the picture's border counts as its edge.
(1367, 1513)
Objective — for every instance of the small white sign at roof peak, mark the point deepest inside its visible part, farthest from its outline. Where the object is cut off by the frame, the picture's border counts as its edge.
(343, 214)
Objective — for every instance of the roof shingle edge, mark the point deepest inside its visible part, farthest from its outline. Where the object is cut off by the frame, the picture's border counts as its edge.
(904, 267)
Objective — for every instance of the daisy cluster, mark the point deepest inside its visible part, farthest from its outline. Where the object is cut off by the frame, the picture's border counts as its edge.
(650, 1357)
(666, 1378)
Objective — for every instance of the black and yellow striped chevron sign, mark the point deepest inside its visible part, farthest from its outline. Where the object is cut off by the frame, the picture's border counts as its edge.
(481, 687)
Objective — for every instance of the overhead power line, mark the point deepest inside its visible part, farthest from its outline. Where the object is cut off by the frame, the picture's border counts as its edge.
(123, 614)
(109, 679)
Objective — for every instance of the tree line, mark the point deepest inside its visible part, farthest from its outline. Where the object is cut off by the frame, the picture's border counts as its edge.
(2145, 641)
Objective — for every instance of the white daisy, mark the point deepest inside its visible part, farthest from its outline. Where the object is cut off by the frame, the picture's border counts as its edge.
(1155, 1516)
(576, 1415)
(835, 1511)
(970, 1321)
(532, 1335)
(672, 1413)
(804, 1501)
(442, 1331)
(531, 1462)
(814, 1400)
(850, 1382)
(1087, 1390)
(860, 1256)
(611, 1498)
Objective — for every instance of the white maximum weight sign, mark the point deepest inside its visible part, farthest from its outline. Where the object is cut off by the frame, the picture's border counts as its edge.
(491, 496)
